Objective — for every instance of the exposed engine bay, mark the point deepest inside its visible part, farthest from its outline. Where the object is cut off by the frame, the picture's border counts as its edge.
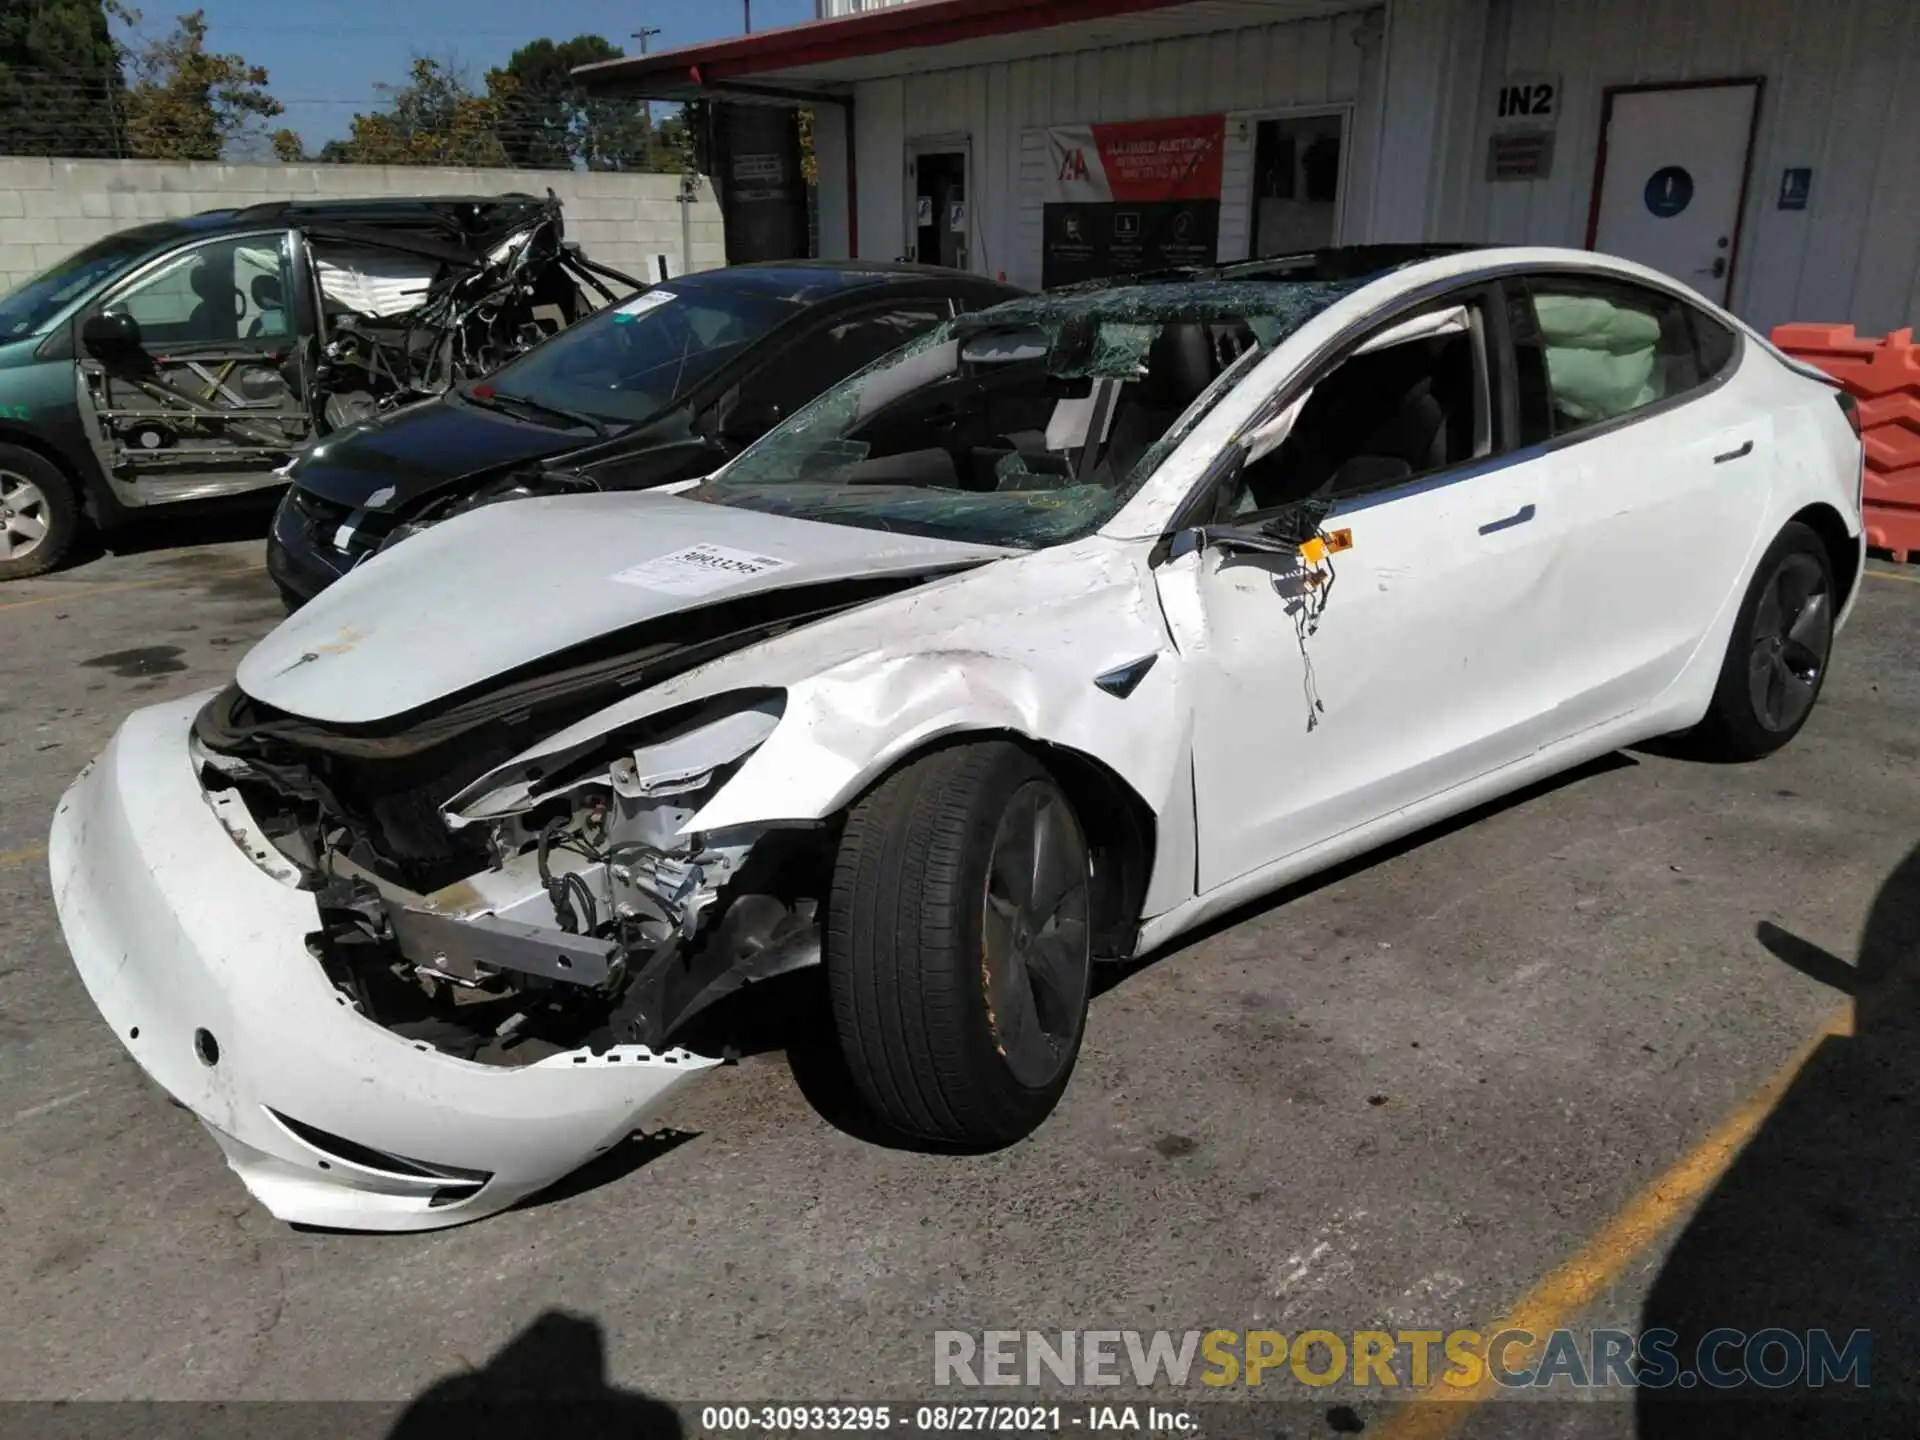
(561, 908)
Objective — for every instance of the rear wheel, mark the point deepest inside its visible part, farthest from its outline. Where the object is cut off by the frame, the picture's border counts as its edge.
(39, 514)
(958, 945)
(1777, 657)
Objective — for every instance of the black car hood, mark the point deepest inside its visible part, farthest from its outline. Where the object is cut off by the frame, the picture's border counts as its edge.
(426, 448)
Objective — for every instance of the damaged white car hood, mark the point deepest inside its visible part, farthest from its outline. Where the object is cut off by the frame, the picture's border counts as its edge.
(510, 584)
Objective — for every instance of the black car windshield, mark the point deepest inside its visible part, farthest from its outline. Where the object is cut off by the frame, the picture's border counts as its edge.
(28, 309)
(638, 356)
(1027, 425)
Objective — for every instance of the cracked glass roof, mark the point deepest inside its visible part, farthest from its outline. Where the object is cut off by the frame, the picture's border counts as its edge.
(1026, 444)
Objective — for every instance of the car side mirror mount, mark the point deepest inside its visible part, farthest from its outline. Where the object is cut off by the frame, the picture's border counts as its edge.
(1281, 533)
(110, 333)
(1263, 538)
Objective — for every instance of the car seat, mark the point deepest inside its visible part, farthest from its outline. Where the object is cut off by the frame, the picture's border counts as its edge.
(1181, 363)
(269, 304)
(212, 317)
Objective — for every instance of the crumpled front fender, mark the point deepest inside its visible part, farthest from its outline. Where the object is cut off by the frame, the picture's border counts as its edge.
(846, 728)
(1011, 648)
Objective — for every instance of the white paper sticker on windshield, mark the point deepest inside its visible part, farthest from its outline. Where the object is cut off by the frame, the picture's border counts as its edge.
(642, 303)
(699, 569)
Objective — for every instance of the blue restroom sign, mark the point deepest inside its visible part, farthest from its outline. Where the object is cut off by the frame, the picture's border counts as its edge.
(1669, 190)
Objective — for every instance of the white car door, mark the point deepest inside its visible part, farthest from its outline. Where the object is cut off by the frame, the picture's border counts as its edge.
(1662, 475)
(1417, 669)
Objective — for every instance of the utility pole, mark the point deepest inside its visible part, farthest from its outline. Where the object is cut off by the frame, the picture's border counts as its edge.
(644, 34)
(747, 5)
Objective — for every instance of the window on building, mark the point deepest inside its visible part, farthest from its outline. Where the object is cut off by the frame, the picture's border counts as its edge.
(1590, 351)
(1296, 184)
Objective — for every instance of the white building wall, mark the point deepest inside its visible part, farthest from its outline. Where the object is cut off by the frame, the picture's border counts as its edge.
(1003, 108)
(826, 9)
(1842, 94)
(50, 208)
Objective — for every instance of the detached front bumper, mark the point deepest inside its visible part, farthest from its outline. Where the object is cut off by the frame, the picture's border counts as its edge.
(198, 960)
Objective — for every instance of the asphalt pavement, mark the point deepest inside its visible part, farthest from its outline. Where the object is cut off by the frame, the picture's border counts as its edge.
(1398, 1097)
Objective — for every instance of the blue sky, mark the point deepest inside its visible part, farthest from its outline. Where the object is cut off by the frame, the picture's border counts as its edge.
(324, 59)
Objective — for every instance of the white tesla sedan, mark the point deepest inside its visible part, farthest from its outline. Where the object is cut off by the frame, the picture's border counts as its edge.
(1077, 622)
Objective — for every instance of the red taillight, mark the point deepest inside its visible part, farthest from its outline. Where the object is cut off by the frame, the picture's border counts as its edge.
(1850, 407)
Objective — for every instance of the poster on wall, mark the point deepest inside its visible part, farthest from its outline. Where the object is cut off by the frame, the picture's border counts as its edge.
(1136, 196)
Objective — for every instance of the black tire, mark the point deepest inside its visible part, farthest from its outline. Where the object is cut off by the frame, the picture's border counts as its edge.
(959, 1009)
(51, 506)
(1777, 657)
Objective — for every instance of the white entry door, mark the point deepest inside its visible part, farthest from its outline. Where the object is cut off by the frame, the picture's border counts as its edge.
(1675, 167)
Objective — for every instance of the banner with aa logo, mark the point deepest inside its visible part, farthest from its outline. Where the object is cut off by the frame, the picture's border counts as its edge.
(1132, 197)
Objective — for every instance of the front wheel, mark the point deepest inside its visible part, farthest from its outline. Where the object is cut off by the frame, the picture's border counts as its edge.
(1777, 657)
(39, 514)
(958, 945)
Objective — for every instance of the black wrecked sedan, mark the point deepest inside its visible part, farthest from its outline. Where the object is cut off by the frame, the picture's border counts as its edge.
(666, 385)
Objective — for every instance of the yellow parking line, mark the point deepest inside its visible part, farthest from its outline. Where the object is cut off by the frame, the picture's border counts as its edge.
(81, 594)
(87, 592)
(1580, 1279)
(22, 855)
(1889, 575)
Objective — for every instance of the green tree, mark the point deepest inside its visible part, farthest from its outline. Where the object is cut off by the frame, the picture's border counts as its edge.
(60, 80)
(288, 147)
(550, 122)
(434, 119)
(187, 103)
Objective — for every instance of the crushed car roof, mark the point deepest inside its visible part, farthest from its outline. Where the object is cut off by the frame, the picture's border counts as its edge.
(400, 211)
(1189, 300)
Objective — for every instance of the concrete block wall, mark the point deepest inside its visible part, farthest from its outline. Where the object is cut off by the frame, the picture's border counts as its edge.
(50, 208)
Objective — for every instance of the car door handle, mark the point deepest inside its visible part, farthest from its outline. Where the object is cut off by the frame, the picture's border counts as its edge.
(1740, 454)
(1518, 517)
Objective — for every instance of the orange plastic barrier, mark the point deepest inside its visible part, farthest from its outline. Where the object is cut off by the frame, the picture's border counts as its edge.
(1884, 376)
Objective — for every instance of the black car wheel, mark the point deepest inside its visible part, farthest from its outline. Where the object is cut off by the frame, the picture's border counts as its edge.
(958, 945)
(1777, 658)
(39, 514)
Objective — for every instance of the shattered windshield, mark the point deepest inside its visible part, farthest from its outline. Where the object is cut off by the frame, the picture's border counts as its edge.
(635, 358)
(1027, 425)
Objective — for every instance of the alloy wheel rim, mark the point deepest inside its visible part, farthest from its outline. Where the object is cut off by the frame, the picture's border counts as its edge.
(1034, 937)
(23, 516)
(1792, 633)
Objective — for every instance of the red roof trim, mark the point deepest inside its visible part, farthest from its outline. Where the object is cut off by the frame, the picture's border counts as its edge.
(874, 32)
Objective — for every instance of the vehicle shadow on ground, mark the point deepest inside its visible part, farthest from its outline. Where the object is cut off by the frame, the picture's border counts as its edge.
(250, 521)
(633, 1153)
(791, 1013)
(550, 1379)
(1107, 977)
(1814, 1226)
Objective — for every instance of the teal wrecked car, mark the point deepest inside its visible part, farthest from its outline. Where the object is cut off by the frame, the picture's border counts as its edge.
(185, 362)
